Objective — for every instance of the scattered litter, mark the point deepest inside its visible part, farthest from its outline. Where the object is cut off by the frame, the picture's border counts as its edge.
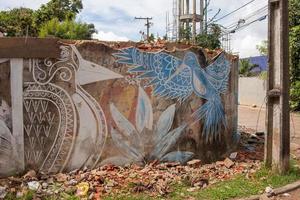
(33, 185)
(269, 190)
(233, 155)
(152, 179)
(286, 195)
(82, 189)
(3, 192)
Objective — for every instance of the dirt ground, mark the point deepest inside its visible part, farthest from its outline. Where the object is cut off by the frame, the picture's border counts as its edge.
(295, 195)
(254, 118)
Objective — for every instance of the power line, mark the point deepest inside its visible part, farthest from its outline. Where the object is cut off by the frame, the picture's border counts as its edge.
(233, 11)
(264, 9)
(148, 24)
(261, 18)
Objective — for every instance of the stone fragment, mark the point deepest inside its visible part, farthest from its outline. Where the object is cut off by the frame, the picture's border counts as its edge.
(30, 175)
(91, 196)
(44, 185)
(194, 163)
(228, 163)
(233, 155)
(219, 163)
(110, 184)
(60, 177)
(72, 182)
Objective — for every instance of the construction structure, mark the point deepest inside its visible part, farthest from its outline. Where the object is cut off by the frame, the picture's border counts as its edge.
(185, 16)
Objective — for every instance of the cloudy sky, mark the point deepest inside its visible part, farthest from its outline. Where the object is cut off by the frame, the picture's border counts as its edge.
(114, 19)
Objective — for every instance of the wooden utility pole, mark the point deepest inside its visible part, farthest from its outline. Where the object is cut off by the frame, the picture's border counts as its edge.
(277, 147)
(148, 24)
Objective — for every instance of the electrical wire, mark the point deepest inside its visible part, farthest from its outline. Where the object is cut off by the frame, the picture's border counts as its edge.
(233, 11)
(261, 18)
(263, 10)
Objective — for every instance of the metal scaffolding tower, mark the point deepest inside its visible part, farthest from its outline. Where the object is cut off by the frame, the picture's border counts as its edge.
(175, 21)
(187, 17)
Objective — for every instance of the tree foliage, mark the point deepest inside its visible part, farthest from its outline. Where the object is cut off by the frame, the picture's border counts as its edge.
(17, 22)
(294, 24)
(57, 14)
(59, 9)
(211, 39)
(245, 67)
(68, 29)
(186, 33)
(263, 48)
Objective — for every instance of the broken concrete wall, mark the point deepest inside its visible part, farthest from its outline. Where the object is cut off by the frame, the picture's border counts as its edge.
(125, 103)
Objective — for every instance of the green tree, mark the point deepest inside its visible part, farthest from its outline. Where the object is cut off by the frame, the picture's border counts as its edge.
(211, 39)
(56, 18)
(151, 38)
(263, 48)
(68, 29)
(245, 67)
(17, 22)
(186, 33)
(294, 25)
(60, 9)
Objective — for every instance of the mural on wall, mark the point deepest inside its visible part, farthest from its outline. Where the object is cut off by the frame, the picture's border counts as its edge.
(132, 140)
(64, 128)
(7, 141)
(74, 118)
(173, 78)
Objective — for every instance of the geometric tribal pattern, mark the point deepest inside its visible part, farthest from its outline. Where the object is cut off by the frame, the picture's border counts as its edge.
(41, 119)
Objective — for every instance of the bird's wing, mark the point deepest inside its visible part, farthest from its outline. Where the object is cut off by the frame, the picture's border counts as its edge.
(218, 73)
(160, 68)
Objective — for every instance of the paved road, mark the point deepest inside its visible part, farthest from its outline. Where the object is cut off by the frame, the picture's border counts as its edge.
(255, 118)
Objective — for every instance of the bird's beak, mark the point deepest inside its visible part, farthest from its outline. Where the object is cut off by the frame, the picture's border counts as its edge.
(89, 72)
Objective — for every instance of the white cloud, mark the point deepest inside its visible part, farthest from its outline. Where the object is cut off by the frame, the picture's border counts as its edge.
(114, 19)
(244, 42)
(10, 4)
(109, 36)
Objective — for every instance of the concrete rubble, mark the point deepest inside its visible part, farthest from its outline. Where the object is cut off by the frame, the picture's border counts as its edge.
(153, 179)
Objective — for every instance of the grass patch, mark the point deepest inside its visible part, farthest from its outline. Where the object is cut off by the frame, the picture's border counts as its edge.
(240, 186)
(237, 187)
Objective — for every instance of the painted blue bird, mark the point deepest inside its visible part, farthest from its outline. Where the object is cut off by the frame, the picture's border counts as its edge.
(174, 78)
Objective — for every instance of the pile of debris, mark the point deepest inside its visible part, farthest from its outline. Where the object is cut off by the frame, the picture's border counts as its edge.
(153, 179)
